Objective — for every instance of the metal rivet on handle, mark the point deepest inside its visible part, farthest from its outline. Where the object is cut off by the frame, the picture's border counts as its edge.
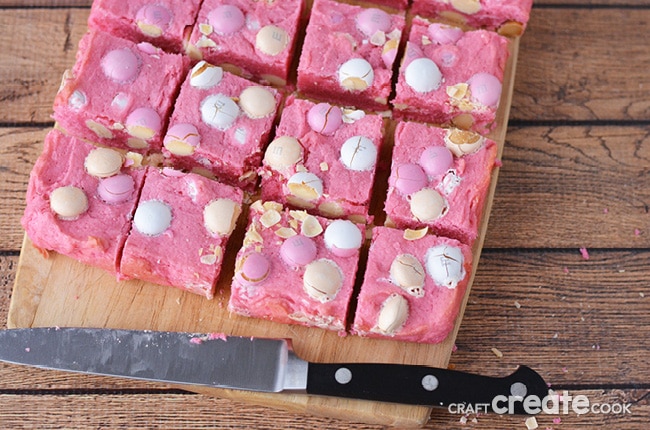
(343, 375)
(518, 389)
(430, 382)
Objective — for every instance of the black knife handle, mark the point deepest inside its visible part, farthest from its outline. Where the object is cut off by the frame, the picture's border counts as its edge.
(422, 385)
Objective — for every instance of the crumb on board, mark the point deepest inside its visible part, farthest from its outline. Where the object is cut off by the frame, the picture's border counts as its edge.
(496, 352)
(585, 253)
(557, 420)
(517, 304)
(531, 423)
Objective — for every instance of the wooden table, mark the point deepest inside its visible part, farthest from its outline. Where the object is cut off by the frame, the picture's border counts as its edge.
(576, 174)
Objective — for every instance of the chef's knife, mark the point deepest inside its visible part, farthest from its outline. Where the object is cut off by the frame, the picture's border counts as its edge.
(255, 364)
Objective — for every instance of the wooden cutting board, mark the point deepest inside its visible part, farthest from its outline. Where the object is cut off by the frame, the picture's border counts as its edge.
(55, 290)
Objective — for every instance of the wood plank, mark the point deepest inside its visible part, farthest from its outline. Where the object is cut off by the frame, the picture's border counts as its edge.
(576, 321)
(566, 72)
(549, 175)
(166, 411)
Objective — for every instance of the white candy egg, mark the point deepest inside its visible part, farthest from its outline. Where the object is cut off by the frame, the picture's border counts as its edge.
(359, 153)
(219, 111)
(445, 265)
(152, 217)
(423, 75)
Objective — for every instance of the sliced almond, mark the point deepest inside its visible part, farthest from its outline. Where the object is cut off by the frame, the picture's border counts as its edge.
(415, 234)
(285, 232)
(311, 227)
(270, 218)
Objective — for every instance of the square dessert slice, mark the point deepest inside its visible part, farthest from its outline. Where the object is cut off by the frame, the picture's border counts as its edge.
(119, 94)
(451, 77)
(348, 54)
(80, 200)
(392, 4)
(508, 17)
(180, 230)
(323, 159)
(413, 287)
(220, 124)
(439, 179)
(296, 268)
(254, 39)
(162, 23)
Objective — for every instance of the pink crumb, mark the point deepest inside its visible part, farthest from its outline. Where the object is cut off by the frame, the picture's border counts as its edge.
(27, 349)
(454, 348)
(585, 253)
(565, 370)
(557, 420)
(605, 211)
(637, 232)
(215, 336)
(498, 162)
(196, 340)
(566, 270)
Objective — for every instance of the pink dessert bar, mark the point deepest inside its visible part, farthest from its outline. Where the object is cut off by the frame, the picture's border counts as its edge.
(439, 179)
(508, 17)
(451, 77)
(323, 159)
(348, 54)
(254, 39)
(119, 94)
(393, 4)
(80, 200)
(413, 287)
(180, 230)
(296, 268)
(220, 124)
(162, 23)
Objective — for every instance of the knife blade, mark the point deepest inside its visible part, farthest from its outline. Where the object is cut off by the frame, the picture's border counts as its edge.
(255, 364)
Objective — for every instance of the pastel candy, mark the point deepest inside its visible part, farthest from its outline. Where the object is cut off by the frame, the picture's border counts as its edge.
(409, 178)
(121, 65)
(219, 111)
(356, 74)
(423, 75)
(116, 189)
(68, 202)
(389, 52)
(220, 216)
(322, 280)
(257, 102)
(253, 268)
(427, 205)
(325, 119)
(407, 272)
(298, 250)
(305, 185)
(444, 34)
(283, 152)
(372, 20)
(226, 19)
(463, 142)
(205, 75)
(485, 89)
(393, 314)
(152, 217)
(143, 123)
(359, 153)
(271, 40)
(469, 7)
(153, 19)
(103, 162)
(182, 139)
(445, 265)
(343, 238)
(436, 160)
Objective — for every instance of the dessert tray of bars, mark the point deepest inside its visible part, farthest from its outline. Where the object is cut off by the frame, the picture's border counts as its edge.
(319, 171)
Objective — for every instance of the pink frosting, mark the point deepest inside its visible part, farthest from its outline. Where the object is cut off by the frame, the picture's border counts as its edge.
(436, 160)
(121, 65)
(226, 19)
(298, 250)
(485, 88)
(116, 189)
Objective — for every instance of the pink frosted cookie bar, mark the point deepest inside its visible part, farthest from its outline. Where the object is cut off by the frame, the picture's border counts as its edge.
(220, 124)
(296, 268)
(80, 200)
(508, 17)
(162, 23)
(254, 39)
(180, 230)
(348, 54)
(119, 94)
(439, 179)
(323, 159)
(449, 76)
(412, 288)
(393, 4)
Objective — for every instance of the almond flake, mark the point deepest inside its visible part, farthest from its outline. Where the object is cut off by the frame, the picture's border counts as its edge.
(275, 206)
(206, 29)
(298, 215)
(379, 38)
(311, 227)
(496, 352)
(257, 206)
(285, 232)
(270, 218)
(415, 234)
(324, 167)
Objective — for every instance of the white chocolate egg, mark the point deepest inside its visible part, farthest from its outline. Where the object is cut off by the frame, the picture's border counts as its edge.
(407, 272)
(257, 102)
(445, 265)
(343, 238)
(393, 314)
(359, 153)
(271, 40)
(283, 152)
(428, 205)
(68, 202)
(322, 280)
(103, 162)
(204, 75)
(219, 111)
(305, 185)
(423, 75)
(220, 216)
(356, 74)
(152, 217)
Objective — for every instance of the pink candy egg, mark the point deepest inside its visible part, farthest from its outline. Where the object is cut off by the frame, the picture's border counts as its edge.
(373, 20)
(121, 65)
(255, 267)
(485, 89)
(183, 133)
(325, 118)
(298, 250)
(116, 189)
(156, 15)
(436, 160)
(226, 19)
(444, 34)
(409, 178)
(145, 122)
